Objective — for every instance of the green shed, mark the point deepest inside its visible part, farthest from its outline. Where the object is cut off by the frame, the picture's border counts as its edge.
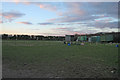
(109, 37)
(95, 39)
(103, 38)
(83, 38)
(106, 38)
(98, 39)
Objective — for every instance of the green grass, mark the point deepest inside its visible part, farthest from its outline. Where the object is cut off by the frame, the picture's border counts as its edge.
(57, 54)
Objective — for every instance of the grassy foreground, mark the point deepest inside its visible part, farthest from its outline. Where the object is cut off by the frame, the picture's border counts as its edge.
(53, 59)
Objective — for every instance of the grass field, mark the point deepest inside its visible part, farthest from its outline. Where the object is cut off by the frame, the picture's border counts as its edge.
(53, 59)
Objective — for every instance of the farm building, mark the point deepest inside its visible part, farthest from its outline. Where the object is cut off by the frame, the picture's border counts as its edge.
(107, 38)
(95, 39)
(82, 38)
(69, 38)
(100, 37)
(89, 39)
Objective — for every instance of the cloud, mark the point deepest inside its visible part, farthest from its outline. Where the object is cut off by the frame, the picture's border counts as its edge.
(47, 6)
(103, 25)
(1, 21)
(62, 28)
(87, 29)
(76, 12)
(10, 16)
(108, 8)
(45, 23)
(34, 29)
(74, 9)
(16, 1)
(51, 34)
(42, 5)
(66, 30)
(106, 19)
(97, 15)
(28, 23)
(72, 19)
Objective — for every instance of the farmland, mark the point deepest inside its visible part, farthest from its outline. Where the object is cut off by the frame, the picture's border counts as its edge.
(53, 59)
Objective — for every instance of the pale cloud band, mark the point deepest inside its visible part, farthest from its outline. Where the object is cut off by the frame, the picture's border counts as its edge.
(28, 23)
(10, 16)
(60, 0)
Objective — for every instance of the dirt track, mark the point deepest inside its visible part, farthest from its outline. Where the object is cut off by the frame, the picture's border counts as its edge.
(49, 71)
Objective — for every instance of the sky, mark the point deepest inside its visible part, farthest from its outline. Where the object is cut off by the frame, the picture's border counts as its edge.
(58, 18)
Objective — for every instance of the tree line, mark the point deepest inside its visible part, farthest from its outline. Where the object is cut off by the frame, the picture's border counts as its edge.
(32, 37)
